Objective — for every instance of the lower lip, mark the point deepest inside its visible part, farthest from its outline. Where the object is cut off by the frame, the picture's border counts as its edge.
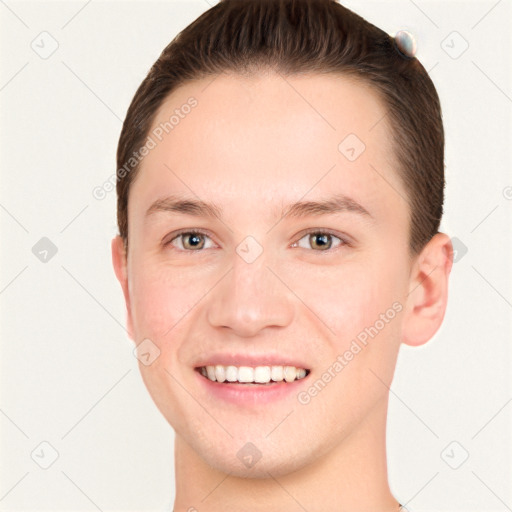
(248, 394)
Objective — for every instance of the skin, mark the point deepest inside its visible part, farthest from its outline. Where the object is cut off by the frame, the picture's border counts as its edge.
(252, 145)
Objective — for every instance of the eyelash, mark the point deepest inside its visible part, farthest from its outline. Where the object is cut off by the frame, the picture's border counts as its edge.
(343, 240)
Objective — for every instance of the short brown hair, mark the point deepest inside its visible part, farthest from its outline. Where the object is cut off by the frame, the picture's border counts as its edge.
(301, 36)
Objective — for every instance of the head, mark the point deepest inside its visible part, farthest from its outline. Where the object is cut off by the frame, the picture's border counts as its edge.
(254, 107)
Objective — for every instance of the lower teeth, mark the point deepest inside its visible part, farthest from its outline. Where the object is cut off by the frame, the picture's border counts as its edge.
(249, 383)
(253, 383)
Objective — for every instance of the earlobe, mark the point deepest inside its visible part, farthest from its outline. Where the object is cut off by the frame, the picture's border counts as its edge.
(428, 291)
(119, 262)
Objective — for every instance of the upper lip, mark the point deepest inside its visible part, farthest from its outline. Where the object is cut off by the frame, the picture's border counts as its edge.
(250, 360)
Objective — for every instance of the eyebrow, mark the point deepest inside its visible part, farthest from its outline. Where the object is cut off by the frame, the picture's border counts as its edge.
(334, 204)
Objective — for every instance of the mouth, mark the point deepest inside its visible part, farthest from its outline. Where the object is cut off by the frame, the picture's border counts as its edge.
(252, 376)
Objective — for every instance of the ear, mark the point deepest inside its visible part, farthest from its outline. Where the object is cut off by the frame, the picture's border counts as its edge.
(119, 261)
(428, 291)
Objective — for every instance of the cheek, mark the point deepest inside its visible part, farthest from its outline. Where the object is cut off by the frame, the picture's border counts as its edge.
(161, 299)
(361, 304)
(345, 299)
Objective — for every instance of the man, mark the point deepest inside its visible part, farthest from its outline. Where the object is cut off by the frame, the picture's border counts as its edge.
(280, 188)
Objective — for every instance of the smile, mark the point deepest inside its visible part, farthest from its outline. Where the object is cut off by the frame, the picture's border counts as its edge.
(252, 375)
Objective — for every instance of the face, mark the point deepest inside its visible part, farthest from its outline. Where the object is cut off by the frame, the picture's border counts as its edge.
(252, 281)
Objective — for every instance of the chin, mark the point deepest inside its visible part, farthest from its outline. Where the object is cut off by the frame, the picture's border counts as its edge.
(275, 465)
(251, 455)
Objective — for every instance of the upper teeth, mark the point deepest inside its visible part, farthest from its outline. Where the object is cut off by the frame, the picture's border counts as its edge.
(259, 374)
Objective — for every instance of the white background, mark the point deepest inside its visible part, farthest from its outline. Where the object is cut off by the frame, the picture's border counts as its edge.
(68, 375)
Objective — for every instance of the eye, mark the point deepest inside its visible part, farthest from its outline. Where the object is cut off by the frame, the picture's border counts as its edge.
(189, 241)
(319, 240)
(196, 241)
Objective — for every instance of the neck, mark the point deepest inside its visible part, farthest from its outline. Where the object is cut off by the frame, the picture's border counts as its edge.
(352, 477)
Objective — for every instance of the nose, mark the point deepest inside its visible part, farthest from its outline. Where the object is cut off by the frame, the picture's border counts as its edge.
(250, 298)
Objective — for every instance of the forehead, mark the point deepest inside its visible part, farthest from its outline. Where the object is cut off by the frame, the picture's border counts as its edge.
(270, 138)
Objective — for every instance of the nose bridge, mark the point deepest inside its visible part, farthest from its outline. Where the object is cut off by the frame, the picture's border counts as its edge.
(250, 298)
